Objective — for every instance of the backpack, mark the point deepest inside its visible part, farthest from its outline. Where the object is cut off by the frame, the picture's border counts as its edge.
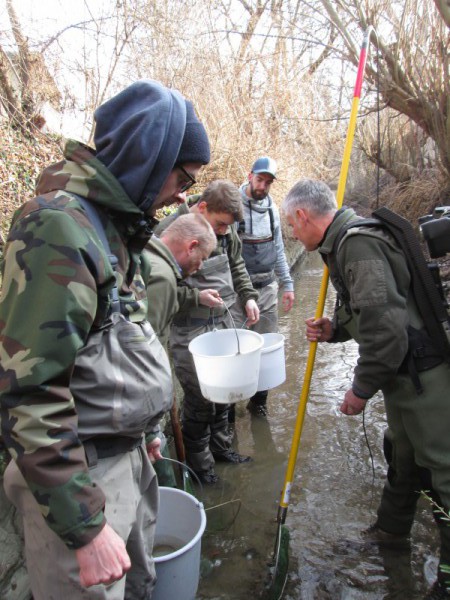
(426, 288)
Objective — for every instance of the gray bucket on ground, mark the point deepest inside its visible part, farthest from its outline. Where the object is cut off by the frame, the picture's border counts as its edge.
(179, 528)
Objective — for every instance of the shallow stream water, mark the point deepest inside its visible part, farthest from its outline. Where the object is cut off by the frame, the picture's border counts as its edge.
(338, 478)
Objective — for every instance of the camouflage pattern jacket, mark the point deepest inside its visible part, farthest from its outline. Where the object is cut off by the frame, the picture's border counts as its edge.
(56, 284)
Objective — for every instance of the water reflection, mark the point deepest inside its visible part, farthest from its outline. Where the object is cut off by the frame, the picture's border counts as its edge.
(338, 479)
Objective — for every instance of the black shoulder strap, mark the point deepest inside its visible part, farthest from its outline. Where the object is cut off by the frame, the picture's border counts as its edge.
(94, 218)
(272, 218)
(425, 291)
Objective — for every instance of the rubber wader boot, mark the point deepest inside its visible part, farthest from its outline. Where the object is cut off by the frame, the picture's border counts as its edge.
(257, 404)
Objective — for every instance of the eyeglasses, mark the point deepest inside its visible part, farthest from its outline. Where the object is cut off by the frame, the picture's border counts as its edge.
(184, 186)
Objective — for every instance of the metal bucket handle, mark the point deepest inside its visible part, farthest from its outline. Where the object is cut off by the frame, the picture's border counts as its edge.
(185, 466)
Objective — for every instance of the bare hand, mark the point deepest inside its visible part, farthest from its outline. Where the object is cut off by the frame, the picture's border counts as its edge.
(252, 312)
(154, 450)
(287, 301)
(319, 330)
(104, 559)
(210, 298)
(352, 405)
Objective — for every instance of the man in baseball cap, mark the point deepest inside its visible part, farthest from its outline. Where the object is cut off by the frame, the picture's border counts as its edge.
(264, 256)
(265, 164)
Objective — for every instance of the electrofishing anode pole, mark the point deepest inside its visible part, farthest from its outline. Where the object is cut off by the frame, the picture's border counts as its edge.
(285, 496)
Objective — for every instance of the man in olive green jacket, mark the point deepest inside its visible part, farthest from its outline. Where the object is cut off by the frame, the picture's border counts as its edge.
(205, 425)
(178, 253)
(376, 307)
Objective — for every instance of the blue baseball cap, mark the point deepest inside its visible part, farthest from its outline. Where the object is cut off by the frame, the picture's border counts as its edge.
(264, 164)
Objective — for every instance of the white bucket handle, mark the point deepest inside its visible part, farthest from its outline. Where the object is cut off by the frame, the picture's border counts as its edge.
(233, 323)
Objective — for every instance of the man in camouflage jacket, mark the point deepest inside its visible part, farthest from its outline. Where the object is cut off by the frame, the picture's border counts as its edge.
(81, 476)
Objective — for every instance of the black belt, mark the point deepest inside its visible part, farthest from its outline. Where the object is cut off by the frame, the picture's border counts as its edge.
(106, 447)
(261, 284)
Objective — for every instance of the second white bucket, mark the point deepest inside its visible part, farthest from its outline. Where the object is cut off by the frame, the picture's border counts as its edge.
(227, 370)
(179, 528)
(272, 370)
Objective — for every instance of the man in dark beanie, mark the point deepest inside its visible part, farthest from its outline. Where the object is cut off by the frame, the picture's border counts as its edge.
(84, 380)
(146, 136)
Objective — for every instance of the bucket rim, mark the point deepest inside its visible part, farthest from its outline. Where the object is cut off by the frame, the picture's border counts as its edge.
(198, 535)
(276, 345)
(221, 331)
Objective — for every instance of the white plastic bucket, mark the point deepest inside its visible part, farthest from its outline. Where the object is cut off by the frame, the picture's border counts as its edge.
(272, 370)
(226, 375)
(179, 528)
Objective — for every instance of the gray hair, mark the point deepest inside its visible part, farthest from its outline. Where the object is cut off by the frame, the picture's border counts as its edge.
(311, 194)
(191, 227)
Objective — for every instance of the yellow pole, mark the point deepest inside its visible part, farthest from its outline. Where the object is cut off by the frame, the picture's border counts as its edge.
(285, 495)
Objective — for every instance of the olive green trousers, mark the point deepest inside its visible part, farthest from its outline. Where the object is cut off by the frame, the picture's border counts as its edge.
(417, 450)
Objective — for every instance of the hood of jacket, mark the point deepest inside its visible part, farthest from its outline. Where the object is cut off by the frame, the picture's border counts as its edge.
(158, 247)
(138, 136)
(81, 173)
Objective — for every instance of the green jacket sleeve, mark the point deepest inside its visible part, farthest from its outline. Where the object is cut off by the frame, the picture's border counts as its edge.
(187, 297)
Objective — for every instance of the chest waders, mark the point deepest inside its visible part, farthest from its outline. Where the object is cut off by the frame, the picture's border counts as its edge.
(122, 380)
(260, 257)
(259, 254)
(216, 274)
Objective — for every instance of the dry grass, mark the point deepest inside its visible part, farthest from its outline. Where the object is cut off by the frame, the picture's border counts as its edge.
(416, 198)
(21, 161)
